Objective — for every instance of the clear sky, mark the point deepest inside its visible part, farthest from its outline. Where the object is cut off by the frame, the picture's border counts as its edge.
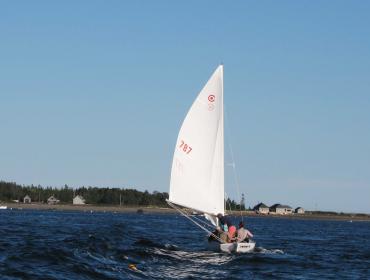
(94, 93)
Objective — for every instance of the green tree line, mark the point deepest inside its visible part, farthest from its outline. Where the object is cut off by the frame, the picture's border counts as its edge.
(10, 191)
(115, 196)
(234, 206)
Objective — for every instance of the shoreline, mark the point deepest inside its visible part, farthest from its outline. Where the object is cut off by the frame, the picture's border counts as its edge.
(163, 210)
(88, 208)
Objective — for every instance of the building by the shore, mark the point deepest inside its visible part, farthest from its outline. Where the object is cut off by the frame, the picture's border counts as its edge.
(78, 200)
(299, 210)
(27, 199)
(261, 208)
(53, 200)
(281, 209)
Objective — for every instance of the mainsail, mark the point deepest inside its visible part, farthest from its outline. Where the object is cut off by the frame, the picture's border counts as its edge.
(197, 175)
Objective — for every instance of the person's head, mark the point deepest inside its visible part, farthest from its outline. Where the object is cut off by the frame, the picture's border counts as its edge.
(241, 224)
(232, 230)
(219, 215)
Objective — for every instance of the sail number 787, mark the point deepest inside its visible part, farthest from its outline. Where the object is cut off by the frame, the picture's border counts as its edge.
(185, 147)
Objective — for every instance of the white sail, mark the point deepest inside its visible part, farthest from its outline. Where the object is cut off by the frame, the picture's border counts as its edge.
(197, 176)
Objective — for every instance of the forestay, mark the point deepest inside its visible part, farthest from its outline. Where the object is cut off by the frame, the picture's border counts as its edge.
(197, 175)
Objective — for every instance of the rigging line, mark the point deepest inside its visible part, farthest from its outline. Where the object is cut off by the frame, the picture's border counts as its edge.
(203, 222)
(199, 225)
(206, 223)
(233, 162)
(186, 215)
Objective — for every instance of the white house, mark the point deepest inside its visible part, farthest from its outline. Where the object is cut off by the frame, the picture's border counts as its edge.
(27, 199)
(299, 210)
(78, 200)
(261, 208)
(52, 200)
(281, 209)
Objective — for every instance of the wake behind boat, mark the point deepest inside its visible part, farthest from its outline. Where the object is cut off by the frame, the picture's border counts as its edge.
(197, 175)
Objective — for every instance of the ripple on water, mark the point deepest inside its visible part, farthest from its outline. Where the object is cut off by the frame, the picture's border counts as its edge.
(71, 245)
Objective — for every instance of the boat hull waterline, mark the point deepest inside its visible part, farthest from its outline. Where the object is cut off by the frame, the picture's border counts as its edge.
(235, 247)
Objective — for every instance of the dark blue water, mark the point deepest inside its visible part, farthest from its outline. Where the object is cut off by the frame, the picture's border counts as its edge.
(84, 245)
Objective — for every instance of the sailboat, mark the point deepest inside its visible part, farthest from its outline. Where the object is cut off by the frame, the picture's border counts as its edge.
(197, 174)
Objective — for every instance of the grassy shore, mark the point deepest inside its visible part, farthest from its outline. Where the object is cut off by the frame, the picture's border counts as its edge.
(162, 210)
(89, 208)
(315, 216)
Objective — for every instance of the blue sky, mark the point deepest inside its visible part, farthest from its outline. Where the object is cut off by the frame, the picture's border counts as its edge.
(94, 92)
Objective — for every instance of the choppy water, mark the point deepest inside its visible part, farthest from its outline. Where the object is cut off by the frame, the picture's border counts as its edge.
(84, 245)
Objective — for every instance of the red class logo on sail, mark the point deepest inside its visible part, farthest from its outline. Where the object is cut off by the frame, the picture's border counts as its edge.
(211, 98)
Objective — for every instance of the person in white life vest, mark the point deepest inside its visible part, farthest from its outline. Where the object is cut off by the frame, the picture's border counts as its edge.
(243, 234)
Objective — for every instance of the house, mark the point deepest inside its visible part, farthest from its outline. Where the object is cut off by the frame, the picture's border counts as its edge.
(27, 199)
(78, 200)
(52, 200)
(299, 210)
(261, 208)
(281, 209)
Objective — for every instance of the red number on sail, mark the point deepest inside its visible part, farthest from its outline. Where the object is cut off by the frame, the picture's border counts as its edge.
(182, 144)
(185, 147)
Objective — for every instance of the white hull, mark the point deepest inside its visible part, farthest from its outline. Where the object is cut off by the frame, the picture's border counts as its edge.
(242, 247)
(3, 207)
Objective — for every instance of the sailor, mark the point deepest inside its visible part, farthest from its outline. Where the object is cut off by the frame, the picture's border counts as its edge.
(224, 238)
(224, 222)
(231, 234)
(243, 233)
(215, 235)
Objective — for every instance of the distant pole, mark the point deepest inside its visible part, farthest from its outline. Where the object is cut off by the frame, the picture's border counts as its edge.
(120, 199)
